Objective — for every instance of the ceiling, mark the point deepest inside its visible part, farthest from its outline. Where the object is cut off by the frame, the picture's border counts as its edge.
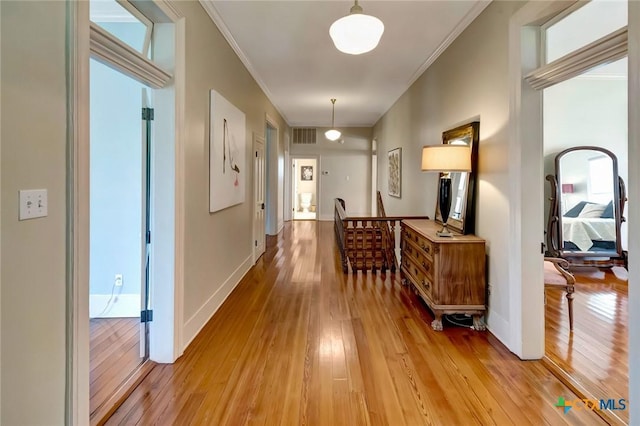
(287, 48)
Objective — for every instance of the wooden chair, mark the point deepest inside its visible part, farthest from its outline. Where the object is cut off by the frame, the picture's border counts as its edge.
(556, 274)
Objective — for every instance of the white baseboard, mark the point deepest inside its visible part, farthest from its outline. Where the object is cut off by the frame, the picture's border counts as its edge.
(194, 324)
(120, 306)
(499, 327)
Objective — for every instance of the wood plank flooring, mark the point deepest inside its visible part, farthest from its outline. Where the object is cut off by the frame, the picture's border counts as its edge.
(595, 355)
(300, 343)
(114, 355)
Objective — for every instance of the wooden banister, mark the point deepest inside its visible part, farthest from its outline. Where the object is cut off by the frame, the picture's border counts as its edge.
(366, 243)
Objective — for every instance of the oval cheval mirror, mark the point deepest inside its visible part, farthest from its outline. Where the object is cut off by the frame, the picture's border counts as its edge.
(587, 208)
(463, 184)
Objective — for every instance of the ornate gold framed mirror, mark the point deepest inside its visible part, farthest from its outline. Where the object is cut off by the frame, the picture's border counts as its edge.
(462, 216)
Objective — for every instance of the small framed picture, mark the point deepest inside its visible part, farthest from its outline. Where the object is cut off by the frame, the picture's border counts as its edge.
(395, 172)
(306, 173)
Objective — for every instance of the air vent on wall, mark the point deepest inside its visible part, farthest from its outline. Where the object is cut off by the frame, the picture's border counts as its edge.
(304, 135)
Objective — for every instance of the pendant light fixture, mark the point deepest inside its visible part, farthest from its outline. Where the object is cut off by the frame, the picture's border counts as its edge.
(333, 134)
(356, 33)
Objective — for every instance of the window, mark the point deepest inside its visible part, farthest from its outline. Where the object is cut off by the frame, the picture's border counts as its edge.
(602, 17)
(124, 21)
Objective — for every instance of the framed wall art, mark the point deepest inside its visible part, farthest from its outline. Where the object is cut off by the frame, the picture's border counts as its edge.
(306, 173)
(395, 172)
(227, 154)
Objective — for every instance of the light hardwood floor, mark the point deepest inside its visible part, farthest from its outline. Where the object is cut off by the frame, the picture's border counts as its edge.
(595, 355)
(114, 354)
(300, 343)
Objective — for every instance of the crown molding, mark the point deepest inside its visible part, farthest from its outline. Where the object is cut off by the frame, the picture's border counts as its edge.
(462, 25)
(215, 16)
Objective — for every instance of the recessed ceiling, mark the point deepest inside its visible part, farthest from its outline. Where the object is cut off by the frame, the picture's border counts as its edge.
(287, 48)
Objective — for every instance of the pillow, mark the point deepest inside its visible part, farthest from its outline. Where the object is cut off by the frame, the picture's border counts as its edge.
(608, 211)
(592, 210)
(575, 210)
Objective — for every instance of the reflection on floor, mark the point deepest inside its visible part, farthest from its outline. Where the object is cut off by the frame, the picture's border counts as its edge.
(298, 342)
(304, 215)
(114, 355)
(596, 354)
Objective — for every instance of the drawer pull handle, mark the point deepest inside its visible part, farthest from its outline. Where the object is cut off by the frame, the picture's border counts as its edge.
(426, 266)
(425, 284)
(425, 248)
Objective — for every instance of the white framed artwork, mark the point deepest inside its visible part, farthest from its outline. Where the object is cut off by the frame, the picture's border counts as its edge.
(227, 154)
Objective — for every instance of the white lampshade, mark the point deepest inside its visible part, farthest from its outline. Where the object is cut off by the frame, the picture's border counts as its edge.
(446, 158)
(356, 33)
(332, 134)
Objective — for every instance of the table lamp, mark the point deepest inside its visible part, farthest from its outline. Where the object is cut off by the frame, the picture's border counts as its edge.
(446, 159)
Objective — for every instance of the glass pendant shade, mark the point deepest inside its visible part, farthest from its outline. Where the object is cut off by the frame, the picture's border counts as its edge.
(356, 33)
(332, 134)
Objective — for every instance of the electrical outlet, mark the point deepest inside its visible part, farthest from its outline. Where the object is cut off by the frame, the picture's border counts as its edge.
(118, 280)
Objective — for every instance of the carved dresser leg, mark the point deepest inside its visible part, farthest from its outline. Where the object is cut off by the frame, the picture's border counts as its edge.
(436, 324)
(478, 323)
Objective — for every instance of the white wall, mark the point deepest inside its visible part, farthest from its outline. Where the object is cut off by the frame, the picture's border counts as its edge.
(587, 110)
(445, 96)
(116, 185)
(33, 251)
(344, 170)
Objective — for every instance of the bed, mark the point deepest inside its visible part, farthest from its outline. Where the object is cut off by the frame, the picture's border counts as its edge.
(589, 227)
(586, 233)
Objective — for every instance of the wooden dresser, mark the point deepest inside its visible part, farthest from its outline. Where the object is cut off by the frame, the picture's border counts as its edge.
(447, 272)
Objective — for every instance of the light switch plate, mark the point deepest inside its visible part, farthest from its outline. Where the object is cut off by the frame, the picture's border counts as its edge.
(33, 203)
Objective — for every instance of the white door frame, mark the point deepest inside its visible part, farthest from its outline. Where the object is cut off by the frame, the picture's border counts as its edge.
(259, 236)
(633, 214)
(526, 216)
(525, 144)
(168, 298)
(316, 157)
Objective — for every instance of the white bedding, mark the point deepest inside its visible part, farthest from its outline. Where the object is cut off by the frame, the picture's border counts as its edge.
(583, 231)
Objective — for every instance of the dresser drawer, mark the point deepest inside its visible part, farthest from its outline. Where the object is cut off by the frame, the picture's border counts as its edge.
(420, 257)
(419, 241)
(423, 282)
(447, 273)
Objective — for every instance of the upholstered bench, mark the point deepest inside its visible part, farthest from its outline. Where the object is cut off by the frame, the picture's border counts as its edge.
(556, 274)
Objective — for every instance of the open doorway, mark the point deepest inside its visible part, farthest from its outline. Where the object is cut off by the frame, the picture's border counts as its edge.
(304, 190)
(586, 114)
(119, 248)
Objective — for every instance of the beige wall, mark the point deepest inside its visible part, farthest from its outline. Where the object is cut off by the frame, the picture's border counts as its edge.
(467, 82)
(218, 246)
(33, 261)
(344, 170)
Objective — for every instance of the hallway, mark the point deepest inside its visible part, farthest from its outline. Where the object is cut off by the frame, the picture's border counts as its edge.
(299, 342)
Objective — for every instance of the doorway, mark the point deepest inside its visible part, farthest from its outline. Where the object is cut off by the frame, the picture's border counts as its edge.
(590, 110)
(587, 105)
(120, 188)
(304, 190)
(259, 173)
